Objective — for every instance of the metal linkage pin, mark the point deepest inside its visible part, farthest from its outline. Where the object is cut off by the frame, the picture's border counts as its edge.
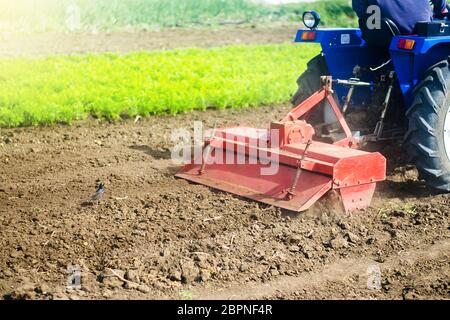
(290, 194)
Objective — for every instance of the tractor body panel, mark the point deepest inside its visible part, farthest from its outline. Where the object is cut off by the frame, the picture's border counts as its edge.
(411, 65)
(343, 49)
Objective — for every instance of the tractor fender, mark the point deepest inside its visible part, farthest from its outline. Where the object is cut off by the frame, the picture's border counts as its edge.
(412, 65)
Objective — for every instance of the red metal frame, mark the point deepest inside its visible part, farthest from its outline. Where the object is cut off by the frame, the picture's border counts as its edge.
(325, 93)
(307, 169)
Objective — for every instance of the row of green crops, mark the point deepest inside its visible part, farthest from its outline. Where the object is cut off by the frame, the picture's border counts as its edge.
(79, 15)
(67, 88)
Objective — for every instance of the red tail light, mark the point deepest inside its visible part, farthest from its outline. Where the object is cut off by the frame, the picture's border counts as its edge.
(406, 44)
(308, 36)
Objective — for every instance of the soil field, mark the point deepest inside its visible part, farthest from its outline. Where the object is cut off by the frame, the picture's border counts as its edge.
(156, 237)
(165, 39)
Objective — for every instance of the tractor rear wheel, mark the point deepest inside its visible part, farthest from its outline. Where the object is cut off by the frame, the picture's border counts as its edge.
(309, 81)
(428, 137)
(308, 84)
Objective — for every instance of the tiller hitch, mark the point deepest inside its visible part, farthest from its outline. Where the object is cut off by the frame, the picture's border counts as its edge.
(284, 166)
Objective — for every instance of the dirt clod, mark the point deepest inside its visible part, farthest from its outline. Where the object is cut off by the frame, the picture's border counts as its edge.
(353, 238)
(143, 288)
(338, 243)
(132, 275)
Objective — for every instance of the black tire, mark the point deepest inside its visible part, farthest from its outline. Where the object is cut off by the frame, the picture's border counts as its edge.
(309, 81)
(425, 138)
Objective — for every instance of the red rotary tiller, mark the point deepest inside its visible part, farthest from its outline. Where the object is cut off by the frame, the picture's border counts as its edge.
(306, 169)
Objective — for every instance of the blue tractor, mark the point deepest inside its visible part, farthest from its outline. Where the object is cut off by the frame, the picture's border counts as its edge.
(389, 86)
(368, 85)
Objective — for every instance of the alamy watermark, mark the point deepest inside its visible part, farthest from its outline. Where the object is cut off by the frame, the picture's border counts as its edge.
(374, 278)
(374, 17)
(74, 278)
(73, 17)
(253, 148)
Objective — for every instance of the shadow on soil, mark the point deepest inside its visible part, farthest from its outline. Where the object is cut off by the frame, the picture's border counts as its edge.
(157, 154)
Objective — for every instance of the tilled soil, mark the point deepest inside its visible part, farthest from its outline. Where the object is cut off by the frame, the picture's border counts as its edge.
(155, 237)
(12, 45)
